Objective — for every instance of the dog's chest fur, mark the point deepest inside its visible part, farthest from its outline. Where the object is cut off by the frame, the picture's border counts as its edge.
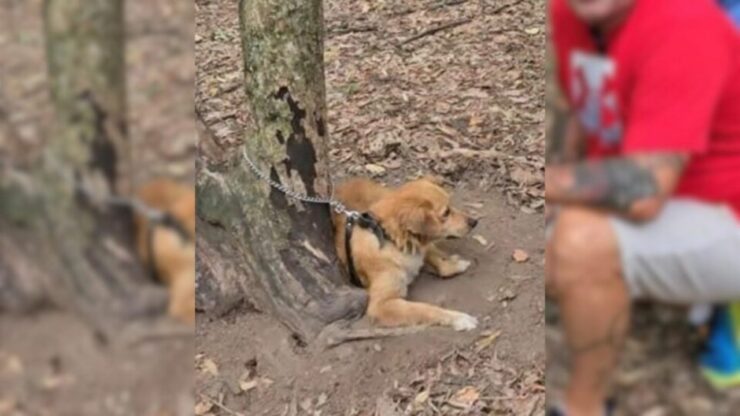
(411, 265)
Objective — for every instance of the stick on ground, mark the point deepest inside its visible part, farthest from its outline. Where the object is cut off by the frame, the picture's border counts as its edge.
(349, 335)
(437, 29)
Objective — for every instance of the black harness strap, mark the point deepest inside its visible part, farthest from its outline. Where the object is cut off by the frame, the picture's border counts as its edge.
(366, 221)
(167, 221)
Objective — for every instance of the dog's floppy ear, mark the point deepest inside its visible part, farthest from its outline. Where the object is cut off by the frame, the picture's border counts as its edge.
(418, 219)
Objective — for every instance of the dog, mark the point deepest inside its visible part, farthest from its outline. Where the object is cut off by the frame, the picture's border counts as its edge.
(387, 255)
(167, 246)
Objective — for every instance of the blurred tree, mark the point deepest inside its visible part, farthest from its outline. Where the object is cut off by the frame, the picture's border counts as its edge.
(62, 239)
(276, 252)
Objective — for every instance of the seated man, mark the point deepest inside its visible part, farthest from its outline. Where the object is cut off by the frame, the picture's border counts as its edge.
(653, 211)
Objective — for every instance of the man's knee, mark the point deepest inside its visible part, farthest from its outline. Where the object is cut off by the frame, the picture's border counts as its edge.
(582, 250)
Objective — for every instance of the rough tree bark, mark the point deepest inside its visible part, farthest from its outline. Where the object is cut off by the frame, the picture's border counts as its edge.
(65, 243)
(276, 251)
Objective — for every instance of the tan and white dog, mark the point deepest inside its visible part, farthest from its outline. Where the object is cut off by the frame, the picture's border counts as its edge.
(170, 250)
(413, 217)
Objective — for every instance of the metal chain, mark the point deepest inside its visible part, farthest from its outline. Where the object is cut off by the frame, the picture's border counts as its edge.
(335, 205)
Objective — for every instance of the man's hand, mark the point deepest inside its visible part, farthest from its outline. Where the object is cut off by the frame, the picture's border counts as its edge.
(634, 186)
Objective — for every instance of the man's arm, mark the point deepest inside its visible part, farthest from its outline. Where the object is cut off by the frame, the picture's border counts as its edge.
(633, 186)
(566, 136)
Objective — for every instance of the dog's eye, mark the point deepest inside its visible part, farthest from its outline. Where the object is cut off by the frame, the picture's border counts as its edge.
(446, 213)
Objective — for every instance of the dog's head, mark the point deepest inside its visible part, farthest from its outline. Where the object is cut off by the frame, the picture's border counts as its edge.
(421, 209)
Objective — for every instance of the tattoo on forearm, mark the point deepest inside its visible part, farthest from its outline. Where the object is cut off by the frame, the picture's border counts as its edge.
(614, 183)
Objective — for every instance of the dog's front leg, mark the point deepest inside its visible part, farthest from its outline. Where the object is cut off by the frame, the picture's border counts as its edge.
(443, 264)
(401, 312)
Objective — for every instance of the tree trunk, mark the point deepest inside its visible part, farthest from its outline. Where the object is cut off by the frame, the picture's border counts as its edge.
(276, 250)
(61, 213)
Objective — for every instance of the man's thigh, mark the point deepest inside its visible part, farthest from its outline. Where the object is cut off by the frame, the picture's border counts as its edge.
(690, 253)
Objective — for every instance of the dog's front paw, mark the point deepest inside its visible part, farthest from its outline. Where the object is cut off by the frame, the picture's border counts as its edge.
(460, 264)
(464, 322)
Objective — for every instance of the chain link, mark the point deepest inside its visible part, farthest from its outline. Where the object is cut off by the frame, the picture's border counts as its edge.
(335, 205)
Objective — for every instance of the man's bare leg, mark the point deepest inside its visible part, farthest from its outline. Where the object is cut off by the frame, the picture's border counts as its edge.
(585, 277)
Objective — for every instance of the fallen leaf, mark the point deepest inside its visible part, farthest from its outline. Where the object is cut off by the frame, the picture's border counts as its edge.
(201, 408)
(209, 366)
(524, 176)
(421, 397)
(266, 382)
(248, 385)
(53, 382)
(465, 397)
(475, 121)
(375, 169)
(321, 400)
(532, 30)
(479, 238)
(486, 342)
(520, 256)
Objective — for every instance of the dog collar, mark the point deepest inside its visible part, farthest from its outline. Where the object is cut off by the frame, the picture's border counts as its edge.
(368, 222)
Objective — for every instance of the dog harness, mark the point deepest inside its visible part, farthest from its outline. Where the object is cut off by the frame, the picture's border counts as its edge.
(166, 220)
(366, 221)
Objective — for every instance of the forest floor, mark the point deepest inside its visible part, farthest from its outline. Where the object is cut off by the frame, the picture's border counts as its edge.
(50, 362)
(465, 103)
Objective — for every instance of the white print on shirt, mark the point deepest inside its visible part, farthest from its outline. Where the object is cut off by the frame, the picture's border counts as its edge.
(593, 96)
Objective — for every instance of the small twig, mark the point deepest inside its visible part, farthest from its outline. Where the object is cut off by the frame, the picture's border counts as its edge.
(446, 4)
(337, 31)
(161, 331)
(369, 333)
(437, 29)
(435, 6)
(501, 8)
(224, 408)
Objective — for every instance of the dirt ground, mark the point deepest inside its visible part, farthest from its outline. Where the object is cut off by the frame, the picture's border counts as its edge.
(464, 103)
(658, 375)
(355, 378)
(50, 364)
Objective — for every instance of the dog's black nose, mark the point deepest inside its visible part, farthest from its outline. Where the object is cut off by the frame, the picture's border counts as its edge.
(472, 222)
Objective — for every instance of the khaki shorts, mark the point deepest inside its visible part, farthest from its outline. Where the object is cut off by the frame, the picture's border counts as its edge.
(689, 254)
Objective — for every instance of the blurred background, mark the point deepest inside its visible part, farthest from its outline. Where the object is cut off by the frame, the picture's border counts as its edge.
(89, 349)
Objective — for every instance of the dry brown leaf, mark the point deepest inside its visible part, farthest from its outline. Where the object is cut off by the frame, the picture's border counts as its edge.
(53, 382)
(201, 408)
(520, 256)
(375, 169)
(266, 381)
(421, 397)
(479, 238)
(486, 342)
(475, 121)
(209, 366)
(465, 397)
(248, 384)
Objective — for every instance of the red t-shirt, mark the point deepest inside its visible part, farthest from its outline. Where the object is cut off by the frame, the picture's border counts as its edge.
(668, 79)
